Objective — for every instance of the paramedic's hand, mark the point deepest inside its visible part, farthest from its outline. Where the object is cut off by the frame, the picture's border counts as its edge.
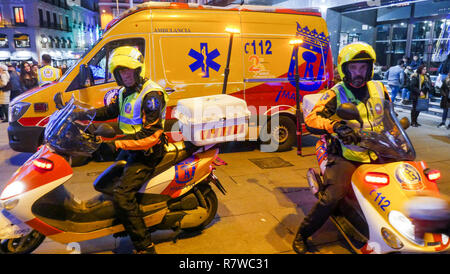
(108, 146)
(106, 152)
(79, 116)
(345, 133)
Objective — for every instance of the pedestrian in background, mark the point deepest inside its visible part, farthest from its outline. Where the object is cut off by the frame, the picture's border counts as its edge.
(444, 68)
(405, 60)
(5, 87)
(63, 69)
(420, 87)
(27, 77)
(377, 72)
(445, 100)
(35, 70)
(406, 90)
(16, 85)
(415, 63)
(395, 77)
(47, 73)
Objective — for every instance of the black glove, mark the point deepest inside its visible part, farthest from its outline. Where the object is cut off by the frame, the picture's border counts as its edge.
(345, 133)
(106, 152)
(79, 116)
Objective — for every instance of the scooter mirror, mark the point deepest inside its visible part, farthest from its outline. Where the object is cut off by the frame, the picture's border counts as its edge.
(348, 111)
(404, 122)
(105, 130)
(58, 100)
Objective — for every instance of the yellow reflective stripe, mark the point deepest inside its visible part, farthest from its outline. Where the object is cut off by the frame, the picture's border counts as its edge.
(375, 86)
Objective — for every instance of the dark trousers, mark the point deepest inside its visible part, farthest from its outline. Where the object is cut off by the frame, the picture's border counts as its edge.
(444, 115)
(4, 112)
(337, 182)
(138, 170)
(414, 112)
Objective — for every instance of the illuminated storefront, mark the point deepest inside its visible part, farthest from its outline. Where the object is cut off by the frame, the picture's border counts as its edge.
(395, 29)
(61, 28)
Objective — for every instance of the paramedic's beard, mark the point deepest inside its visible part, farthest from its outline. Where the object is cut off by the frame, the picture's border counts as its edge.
(358, 82)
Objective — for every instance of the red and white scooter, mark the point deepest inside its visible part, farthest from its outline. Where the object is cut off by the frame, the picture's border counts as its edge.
(35, 204)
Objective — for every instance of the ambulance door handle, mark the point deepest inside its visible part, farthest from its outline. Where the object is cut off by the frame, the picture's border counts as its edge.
(169, 90)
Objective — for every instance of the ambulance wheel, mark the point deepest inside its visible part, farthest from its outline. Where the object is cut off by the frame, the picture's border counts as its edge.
(280, 137)
(211, 206)
(22, 245)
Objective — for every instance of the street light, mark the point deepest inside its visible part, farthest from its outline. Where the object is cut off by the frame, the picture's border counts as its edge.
(298, 114)
(231, 31)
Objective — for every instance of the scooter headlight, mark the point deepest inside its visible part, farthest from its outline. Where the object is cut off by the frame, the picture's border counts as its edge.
(404, 225)
(13, 189)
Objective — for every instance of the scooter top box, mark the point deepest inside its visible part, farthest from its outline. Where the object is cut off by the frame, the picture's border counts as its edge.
(212, 119)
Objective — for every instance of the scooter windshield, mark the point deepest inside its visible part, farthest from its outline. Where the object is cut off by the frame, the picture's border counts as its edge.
(68, 137)
(387, 138)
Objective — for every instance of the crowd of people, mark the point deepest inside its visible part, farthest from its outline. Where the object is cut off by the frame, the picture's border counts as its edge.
(16, 78)
(411, 80)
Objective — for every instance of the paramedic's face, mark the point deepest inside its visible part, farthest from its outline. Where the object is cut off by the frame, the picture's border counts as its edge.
(127, 76)
(358, 72)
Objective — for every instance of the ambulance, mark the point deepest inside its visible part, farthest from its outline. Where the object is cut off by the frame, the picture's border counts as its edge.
(186, 48)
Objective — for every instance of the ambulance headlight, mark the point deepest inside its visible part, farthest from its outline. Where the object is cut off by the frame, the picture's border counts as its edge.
(17, 110)
(404, 225)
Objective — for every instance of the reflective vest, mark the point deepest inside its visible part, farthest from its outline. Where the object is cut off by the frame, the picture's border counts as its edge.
(371, 114)
(130, 117)
(48, 74)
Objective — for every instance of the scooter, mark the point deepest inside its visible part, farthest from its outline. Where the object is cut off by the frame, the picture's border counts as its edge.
(36, 203)
(373, 217)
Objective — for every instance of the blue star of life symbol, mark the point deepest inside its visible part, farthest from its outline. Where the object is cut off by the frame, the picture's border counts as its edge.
(204, 60)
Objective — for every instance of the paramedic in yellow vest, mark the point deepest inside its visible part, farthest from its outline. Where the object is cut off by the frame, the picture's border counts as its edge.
(47, 73)
(355, 67)
(140, 108)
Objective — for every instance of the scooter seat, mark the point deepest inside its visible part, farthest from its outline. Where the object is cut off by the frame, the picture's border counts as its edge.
(174, 153)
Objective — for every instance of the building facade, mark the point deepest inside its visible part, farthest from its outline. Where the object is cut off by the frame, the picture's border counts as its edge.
(86, 24)
(395, 28)
(30, 28)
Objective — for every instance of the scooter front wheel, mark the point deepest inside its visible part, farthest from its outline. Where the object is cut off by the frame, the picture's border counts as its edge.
(22, 245)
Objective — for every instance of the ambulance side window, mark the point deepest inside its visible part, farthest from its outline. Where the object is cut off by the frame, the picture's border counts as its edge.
(97, 67)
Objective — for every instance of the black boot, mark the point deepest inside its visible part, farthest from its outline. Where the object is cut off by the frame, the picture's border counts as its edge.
(148, 250)
(300, 244)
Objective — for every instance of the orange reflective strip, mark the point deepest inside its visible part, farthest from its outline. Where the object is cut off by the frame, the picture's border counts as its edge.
(141, 144)
(316, 121)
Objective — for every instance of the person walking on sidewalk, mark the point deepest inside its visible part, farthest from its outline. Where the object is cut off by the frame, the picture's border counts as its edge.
(395, 77)
(445, 100)
(5, 89)
(406, 90)
(16, 85)
(420, 87)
